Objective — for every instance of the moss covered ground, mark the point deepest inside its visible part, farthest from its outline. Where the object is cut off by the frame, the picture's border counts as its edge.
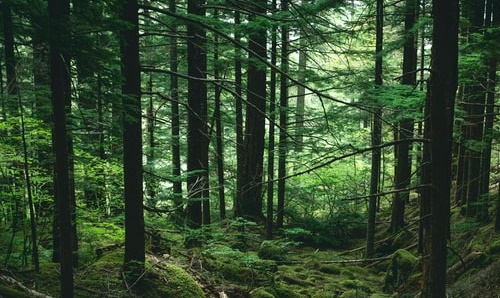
(226, 262)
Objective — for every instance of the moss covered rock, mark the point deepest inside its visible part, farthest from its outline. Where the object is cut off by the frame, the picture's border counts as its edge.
(177, 283)
(403, 264)
(271, 250)
(261, 293)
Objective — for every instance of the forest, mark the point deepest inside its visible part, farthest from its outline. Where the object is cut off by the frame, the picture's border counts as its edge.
(223, 148)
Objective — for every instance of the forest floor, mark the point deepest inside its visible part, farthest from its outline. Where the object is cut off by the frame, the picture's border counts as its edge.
(225, 263)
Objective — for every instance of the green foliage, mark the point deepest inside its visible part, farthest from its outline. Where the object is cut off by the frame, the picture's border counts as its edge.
(237, 266)
(171, 281)
(273, 250)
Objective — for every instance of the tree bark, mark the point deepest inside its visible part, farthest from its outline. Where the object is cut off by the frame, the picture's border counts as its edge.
(443, 86)
(60, 86)
(272, 122)
(198, 211)
(132, 142)
(376, 135)
(251, 185)
(239, 117)
(219, 132)
(174, 108)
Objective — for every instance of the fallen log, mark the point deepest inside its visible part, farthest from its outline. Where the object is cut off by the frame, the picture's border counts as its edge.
(369, 260)
(20, 286)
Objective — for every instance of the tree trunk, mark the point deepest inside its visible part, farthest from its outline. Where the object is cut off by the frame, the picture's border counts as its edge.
(60, 85)
(376, 135)
(301, 93)
(492, 21)
(272, 123)
(239, 118)
(283, 142)
(474, 96)
(405, 126)
(197, 164)
(174, 108)
(132, 142)
(443, 86)
(251, 185)
(219, 133)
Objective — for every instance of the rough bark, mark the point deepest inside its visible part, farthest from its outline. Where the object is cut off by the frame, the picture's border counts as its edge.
(443, 86)
(132, 142)
(405, 126)
(60, 86)
(219, 133)
(174, 108)
(376, 136)
(283, 141)
(197, 163)
(251, 185)
(271, 142)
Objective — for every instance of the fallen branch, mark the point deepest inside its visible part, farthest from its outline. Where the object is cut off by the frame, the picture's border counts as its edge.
(22, 287)
(454, 272)
(369, 260)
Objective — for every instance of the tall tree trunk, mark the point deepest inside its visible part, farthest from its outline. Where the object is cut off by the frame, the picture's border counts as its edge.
(283, 142)
(150, 183)
(301, 93)
(197, 164)
(174, 108)
(474, 96)
(60, 85)
(405, 126)
(492, 20)
(239, 118)
(443, 86)
(272, 123)
(376, 135)
(219, 131)
(251, 186)
(490, 108)
(132, 142)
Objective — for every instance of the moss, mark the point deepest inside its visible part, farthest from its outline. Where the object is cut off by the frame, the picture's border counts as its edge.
(494, 247)
(402, 239)
(297, 279)
(284, 291)
(9, 292)
(353, 294)
(175, 282)
(380, 295)
(261, 293)
(237, 266)
(330, 269)
(402, 265)
(347, 273)
(270, 250)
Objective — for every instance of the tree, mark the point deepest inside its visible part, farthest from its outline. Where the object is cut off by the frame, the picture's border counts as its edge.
(60, 86)
(218, 130)
(250, 200)
(443, 86)
(376, 135)
(198, 141)
(174, 109)
(283, 108)
(272, 122)
(404, 128)
(132, 141)
(492, 20)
